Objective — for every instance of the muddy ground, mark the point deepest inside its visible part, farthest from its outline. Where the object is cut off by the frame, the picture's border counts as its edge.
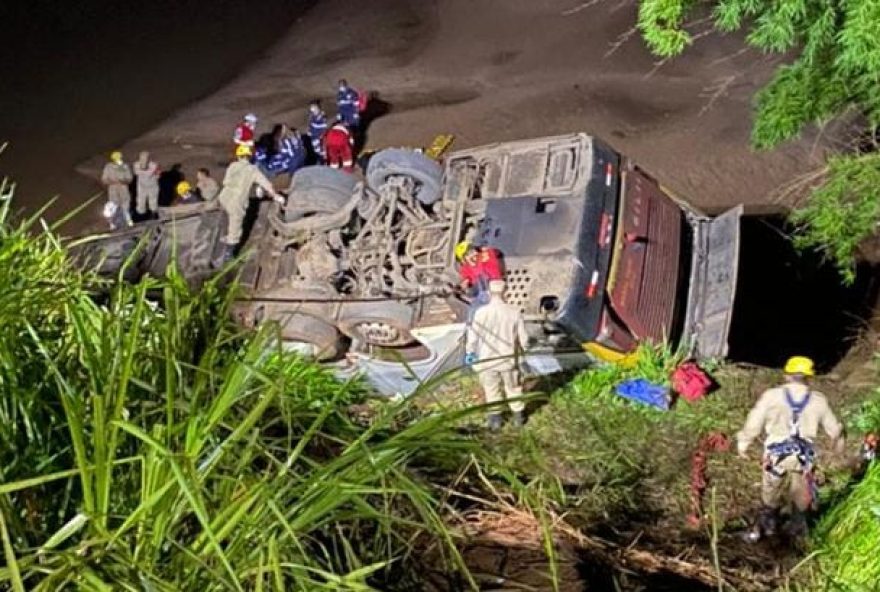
(507, 69)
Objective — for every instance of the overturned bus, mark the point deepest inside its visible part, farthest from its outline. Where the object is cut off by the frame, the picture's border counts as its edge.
(598, 256)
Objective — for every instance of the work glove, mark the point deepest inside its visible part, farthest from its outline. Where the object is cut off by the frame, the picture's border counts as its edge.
(470, 359)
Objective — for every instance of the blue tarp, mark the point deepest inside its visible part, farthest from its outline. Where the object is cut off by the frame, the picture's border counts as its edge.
(642, 391)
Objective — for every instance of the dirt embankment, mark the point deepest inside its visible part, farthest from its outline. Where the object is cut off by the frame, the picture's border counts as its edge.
(506, 69)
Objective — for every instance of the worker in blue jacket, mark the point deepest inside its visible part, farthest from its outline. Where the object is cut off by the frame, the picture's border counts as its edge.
(317, 128)
(292, 147)
(347, 105)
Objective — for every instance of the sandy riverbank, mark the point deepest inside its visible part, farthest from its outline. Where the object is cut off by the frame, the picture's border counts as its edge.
(506, 69)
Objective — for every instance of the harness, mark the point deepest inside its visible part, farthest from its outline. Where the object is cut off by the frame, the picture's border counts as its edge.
(795, 445)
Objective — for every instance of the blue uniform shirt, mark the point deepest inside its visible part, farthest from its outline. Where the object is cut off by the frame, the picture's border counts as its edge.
(317, 129)
(347, 104)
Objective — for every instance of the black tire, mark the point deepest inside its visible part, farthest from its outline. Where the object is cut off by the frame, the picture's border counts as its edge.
(398, 161)
(385, 323)
(318, 190)
(301, 327)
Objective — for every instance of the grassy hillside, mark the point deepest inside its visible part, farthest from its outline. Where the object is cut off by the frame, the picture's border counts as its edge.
(148, 444)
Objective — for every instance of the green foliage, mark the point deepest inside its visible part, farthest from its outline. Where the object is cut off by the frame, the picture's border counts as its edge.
(836, 49)
(653, 362)
(848, 537)
(153, 446)
(842, 212)
(617, 451)
(835, 68)
(660, 23)
(35, 279)
(866, 418)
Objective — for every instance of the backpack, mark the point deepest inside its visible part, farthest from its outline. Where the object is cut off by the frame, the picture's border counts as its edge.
(690, 381)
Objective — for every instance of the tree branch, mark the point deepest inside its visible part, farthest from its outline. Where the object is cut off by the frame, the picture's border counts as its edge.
(580, 7)
(715, 92)
(621, 39)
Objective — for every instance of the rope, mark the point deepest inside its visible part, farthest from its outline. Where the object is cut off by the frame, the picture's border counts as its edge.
(712, 442)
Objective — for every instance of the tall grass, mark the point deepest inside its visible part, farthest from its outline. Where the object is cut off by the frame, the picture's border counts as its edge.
(36, 278)
(849, 537)
(148, 444)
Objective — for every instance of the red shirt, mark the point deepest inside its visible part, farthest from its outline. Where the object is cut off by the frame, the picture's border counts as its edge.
(337, 137)
(487, 268)
(243, 135)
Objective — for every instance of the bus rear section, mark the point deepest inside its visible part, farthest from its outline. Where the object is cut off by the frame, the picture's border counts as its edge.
(672, 277)
(612, 259)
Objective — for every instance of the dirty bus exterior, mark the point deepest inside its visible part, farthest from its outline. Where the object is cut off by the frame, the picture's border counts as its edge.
(598, 253)
(598, 256)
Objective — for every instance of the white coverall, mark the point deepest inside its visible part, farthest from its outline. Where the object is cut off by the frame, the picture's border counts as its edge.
(497, 330)
(240, 177)
(116, 178)
(773, 416)
(147, 186)
(208, 188)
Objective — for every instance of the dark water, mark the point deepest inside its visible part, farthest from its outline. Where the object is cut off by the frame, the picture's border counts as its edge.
(77, 78)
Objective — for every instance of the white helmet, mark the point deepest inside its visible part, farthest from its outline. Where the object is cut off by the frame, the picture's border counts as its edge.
(250, 118)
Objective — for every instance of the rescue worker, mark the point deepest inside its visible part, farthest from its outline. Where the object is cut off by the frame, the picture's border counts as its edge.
(293, 147)
(245, 131)
(147, 173)
(280, 152)
(116, 176)
(240, 177)
(317, 129)
(790, 415)
(186, 194)
(477, 267)
(495, 338)
(207, 186)
(348, 105)
(338, 147)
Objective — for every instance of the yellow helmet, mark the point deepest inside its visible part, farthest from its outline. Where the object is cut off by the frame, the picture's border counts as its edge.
(242, 150)
(799, 365)
(116, 156)
(461, 249)
(183, 188)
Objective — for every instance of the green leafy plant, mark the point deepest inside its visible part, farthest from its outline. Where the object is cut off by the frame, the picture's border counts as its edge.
(847, 539)
(834, 71)
(153, 445)
(842, 212)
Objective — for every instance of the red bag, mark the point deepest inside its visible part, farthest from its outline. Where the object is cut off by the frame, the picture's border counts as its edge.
(690, 381)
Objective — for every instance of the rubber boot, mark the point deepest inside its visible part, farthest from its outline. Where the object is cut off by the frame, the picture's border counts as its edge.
(493, 422)
(797, 528)
(517, 420)
(768, 521)
(228, 253)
